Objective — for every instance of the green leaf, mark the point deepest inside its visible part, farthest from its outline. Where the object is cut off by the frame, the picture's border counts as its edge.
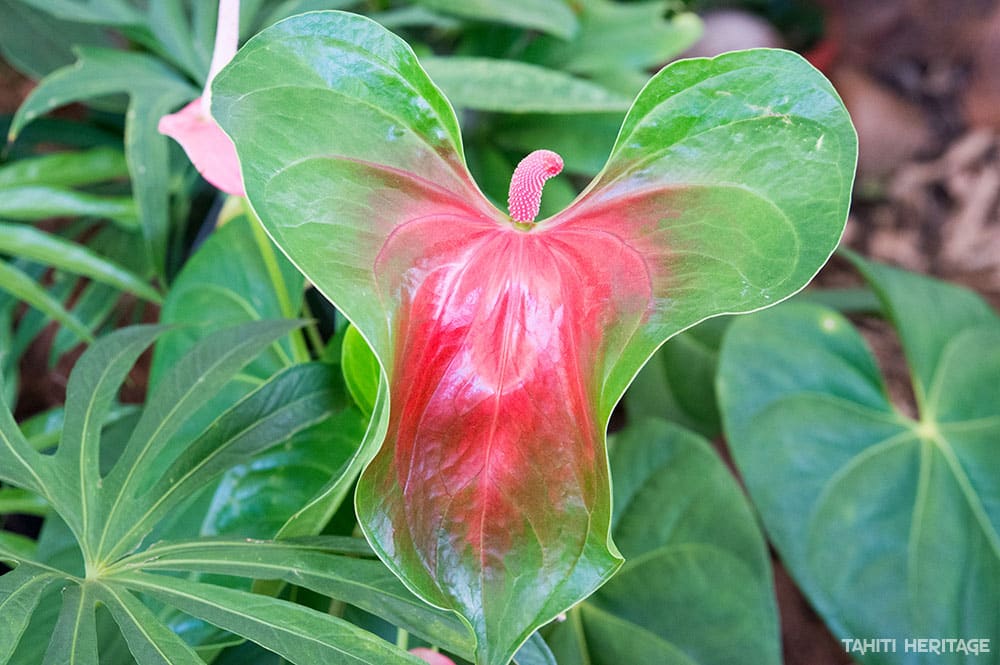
(150, 642)
(272, 415)
(20, 464)
(361, 371)
(15, 500)
(28, 203)
(907, 299)
(237, 276)
(24, 288)
(583, 141)
(105, 12)
(169, 23)
(195, 378)
(74, 640)
(552, 16)
(155, 90)
(829, 460)
(695, 560)
(617, 36)
(93, 307)
(20, 591)
(36, 43)
(66, 169)
(15, 547)
(366, 584)
(301, 635)
(352, 158)
(90, 395)
(27, 242)
(489, 84)
(678, 383)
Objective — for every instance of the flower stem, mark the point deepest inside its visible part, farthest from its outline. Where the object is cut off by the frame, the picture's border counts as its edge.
(227, 39)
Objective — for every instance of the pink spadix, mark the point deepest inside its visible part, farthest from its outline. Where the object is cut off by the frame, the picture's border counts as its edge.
(525, 195)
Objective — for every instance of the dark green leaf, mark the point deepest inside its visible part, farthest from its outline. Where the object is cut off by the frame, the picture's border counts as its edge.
(301, 635)
(18, 284)
(489, 84)
(361, 370)
(695, 560)
(105, 12)
(195, 378)
(552, 16)
(155, 90)
(66, 169)
(36, 43)
(90, 395)
(20, 591)
(829, 460)
(150, 642)
(678, 383)
(28, 203)
(74, 640)
(364, 583)
(293, 400)
(618, 36)
(16, 500)
(27, 242)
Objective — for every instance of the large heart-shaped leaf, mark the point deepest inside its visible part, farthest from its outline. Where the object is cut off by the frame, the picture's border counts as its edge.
(890, 524)
(696, 561)
(505, 345)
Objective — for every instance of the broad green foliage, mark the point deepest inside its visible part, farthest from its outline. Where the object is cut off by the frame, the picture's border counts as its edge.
(890, 523)
(154, 90)
(695, 561)
(678, 381)
(110, 513)
(239, 276)
(35, 188)
(552, 16)
(501, 85)
(726, 190)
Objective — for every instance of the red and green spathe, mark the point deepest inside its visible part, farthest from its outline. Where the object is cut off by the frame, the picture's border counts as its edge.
(505, 343)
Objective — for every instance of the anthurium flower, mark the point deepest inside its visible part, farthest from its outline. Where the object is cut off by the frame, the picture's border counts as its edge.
(206, 145)
(505, 343)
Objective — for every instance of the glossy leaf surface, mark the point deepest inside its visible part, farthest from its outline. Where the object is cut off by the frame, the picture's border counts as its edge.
(505, 347)
(829, 461)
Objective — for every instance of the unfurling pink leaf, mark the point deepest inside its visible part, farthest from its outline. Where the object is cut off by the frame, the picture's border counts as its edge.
(206, 145)
(432, 657)
(506, 344)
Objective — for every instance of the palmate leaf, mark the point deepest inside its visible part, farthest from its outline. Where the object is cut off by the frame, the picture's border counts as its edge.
(300, 634)
(504, 347)
(160, 475)
(829, 461)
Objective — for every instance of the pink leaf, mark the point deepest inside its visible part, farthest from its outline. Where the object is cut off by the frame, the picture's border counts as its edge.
(432, 657)
(206, 145)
